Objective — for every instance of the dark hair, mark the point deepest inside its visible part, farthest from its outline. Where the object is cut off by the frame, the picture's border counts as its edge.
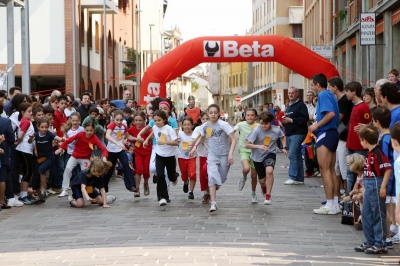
(354, 86)
(89, 123)
(130, 99)
(15, 88)
(1, 107)
(105, 100)
(395, 131)
(266, 117)
(141, 114)
(118, 112)
(16, 101)
(33, 98)
(370, 92)
(88, 94)
(369, 133)
(127, 110)
(391, 92)
(70, 95)
(36, 110)
(155, 104)
(214, 105)
(22, 108)
(94, 110)
(48, 109)
(187, 118)
(43, 120)
(62, 97)
(162, 115)
(319, 79)
(129, 121)
(383, 115)
(252, 110)
(394, 72)
(336, 82)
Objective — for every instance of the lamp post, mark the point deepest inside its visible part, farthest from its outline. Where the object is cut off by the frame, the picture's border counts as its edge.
(138, 76)
(151, 50)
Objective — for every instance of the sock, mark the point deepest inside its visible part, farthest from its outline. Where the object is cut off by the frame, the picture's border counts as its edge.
(23, 194)
(388, 239)
(329, 203)
(335, 200)
(253, 192)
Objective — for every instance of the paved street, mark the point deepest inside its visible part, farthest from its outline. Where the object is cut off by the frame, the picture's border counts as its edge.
(139, 232)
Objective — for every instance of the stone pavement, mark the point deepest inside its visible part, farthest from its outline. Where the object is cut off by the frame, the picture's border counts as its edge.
(139, 232)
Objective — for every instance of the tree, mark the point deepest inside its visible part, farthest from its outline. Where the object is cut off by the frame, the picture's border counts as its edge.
(195, 86)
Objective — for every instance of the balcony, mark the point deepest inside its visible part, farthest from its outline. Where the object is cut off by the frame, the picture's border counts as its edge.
(97, 6)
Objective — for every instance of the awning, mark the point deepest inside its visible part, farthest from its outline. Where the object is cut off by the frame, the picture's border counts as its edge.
(254, 93)
(127, 82)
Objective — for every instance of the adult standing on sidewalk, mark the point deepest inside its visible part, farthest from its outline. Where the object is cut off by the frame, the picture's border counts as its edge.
(295, 124)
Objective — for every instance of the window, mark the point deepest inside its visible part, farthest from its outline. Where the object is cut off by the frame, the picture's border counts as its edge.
(297, 30)
(82, 28)
(90, 36)
(96, 37)
(109, 46)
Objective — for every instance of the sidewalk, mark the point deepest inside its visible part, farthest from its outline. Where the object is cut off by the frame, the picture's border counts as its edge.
(139, 232)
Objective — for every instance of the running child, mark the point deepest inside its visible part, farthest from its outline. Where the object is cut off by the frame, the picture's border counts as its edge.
(202, 151)
(89, 185)
(116, 135)
(165, 151)
(84, 146)
(222, 143)
(44, 153)
(187, 163)
(263, 144)
(142, 154)
(244, 128)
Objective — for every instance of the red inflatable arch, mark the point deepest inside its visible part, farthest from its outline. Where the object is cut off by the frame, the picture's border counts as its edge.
(260, 48)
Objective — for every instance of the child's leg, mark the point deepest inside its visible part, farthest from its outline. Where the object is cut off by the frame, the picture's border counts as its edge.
(162, 192)
(253, 177)
(192, 173)
(153, 162)
(99, 200)
(269, 178)
(245, 167)
(71, 164)
(171, 168)
(203, 174)
(183, 166)
(78, 203)
(129, 179)
(388, 216)
(139, 161)
(367, 217)
(146, 167)
(112, 157)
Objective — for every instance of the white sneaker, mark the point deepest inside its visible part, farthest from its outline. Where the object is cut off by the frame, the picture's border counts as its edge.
(110, 199)
(254, 198)
(70, 198)
(396, 238)
(394, 229)
(292, 182)
(50, 191)
(323, 210)
(242, 181)
(335, 210)
(214, 207)
(13, 202)
(64, 193)
(162, 202)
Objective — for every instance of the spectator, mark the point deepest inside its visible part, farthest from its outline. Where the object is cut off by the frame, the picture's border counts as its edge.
(369, 98)
(83, 109)
(120, 104)
(295, 124)
(310, 105)
(69, 109)
(393, 76)
(377, 90)
(13, 91)
(193, 111)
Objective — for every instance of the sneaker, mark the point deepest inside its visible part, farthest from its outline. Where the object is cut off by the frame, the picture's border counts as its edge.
(317, 173)
(254, 198)
(64, 193)
(242, 182)
(110, 199)
(43, 196)
(394, 229)
(57, 190)
(264, 190)
(27, 201)
(162, 202)
(335, 210)
(322, 210)
(206, 198)
(186, 187)
(214, 207)
(396, 238)
(132, 189)
(137, 194)
(13, 202)
(362, 247)
(389, 244)
(70, 198)
(191, 195)
(154, 179)
(308, 175)
(376, 250)
(267, 200)
(293, 182)
(50, 191)
(146, 190)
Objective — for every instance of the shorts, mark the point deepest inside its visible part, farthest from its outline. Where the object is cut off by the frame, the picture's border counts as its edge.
(43, 167)
(217, 169)
(329, 139)
(390, 199)
(77, 192)
(245, 155)
(269, 161)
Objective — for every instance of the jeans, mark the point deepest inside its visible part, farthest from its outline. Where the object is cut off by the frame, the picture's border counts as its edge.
(129, 178)
(296, 167)
(351, 177)
(374, 213)
(56, 172)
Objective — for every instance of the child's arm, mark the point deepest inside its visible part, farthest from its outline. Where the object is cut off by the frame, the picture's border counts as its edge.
(144, 130)
(146, 142)
(233, 145)
(85, 194)
(386, 177)
(199, 140)
(112, 140)
(250, 145)
(168, 142)
(104, 196)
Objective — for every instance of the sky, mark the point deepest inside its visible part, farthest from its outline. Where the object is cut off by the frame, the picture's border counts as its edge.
(196, 18)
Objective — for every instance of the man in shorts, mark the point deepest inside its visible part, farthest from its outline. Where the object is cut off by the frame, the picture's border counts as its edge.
(325, 129)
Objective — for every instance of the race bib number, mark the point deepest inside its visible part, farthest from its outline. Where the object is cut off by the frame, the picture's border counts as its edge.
(89, 189)
(209, 132)
(119, 135)
(267, 140)
(163, 137)
(137, 144)
(91, 146)
(185, 146)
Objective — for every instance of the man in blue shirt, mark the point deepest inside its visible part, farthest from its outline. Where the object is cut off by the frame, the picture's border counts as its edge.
(325, 129)
(13, 91)
(121, 104)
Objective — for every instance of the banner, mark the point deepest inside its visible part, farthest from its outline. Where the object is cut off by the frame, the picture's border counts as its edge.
(367, 29)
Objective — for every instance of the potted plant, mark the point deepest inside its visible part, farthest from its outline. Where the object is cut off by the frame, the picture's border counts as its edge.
(127, 71)
(341, 14)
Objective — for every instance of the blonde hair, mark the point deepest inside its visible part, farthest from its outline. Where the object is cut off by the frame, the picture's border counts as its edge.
(356, 162)
(97, 165)
(67, 126)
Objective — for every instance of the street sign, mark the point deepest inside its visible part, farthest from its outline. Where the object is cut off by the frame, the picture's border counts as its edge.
(237, 99)
(324, 51)
(367, 29)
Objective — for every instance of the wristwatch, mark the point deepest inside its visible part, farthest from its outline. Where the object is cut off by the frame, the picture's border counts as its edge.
(284, 148)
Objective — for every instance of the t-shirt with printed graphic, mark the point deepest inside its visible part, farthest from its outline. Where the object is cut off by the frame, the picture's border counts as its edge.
(218, 137)
(26, 126)
(165, 133)
(44, 144)
(139, 149)
(93, 181)
(260, 136)
(327, 102)
(202, 149)
(172, 121)
(71, 132)
(376, 163)
(359, 115)
(84, 146)
(185, 145)
(117, 133)
(244, 129)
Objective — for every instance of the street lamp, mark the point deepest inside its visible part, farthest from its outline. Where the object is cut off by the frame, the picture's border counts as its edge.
(138, 76)
(151, 50)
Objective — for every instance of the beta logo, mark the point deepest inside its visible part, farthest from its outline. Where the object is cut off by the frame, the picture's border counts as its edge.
(233, 49)
(212, 49)
(367, 19)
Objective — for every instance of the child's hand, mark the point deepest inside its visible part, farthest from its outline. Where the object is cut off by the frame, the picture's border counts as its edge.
(160, 142)
(230, 159)
(106, 206)
(104, 159)
(382, 192)
(1, 151)
(92, 200)
(145, 144)
(358, 127)
(59, 151)
(122, 146)
(31, 137)
(263, 147)
(285, 152)
(192, 151)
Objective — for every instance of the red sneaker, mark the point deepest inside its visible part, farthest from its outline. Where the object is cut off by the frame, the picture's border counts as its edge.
(267, 200)
(308, 175)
